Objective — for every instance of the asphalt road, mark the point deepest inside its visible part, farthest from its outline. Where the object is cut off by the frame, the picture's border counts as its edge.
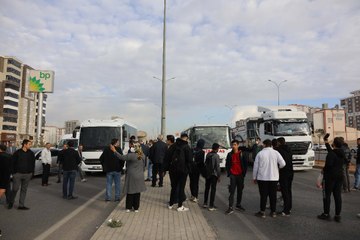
(302, 224)
(52, 217)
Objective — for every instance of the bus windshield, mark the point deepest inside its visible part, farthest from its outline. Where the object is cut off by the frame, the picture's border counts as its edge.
(291, 129)
(97, 138)
(218, 134)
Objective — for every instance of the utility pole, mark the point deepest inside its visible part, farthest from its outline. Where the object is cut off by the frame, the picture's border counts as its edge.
(163, 91)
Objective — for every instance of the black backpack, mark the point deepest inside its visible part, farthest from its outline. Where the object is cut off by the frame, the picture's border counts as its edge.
(178, 160)
(209, 166)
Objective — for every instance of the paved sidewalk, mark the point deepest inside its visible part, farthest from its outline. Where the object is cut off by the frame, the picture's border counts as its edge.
(155, 221)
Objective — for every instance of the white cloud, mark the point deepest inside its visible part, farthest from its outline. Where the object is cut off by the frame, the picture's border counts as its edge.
(105, 54)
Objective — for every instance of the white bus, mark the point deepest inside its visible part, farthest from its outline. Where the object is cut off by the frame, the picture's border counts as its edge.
(211, 133)
(95, 135)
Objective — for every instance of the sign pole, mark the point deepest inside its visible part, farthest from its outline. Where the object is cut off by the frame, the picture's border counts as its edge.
(39, 118)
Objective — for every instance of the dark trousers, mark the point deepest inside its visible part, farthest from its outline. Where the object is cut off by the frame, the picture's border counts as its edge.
(267, 189)
(178, 182)
(46, 172)
(236, 183)
(133, 201)
(346, 182)
(194, 182)
(285, 186)
(59, 172)
(157, 169)
(210, 182)
(8, 193)
(334, 187)
(68, 183)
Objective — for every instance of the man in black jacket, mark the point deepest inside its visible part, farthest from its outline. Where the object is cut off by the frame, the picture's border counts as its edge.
(5, 171)
(180, 157)
(112, 166)
(70, 160)
(286, 175)
(23, 162)
(333, 178)
(157, 155)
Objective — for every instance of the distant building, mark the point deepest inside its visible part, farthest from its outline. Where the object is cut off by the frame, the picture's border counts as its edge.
(71, 125)
(330, 121)
(352, 109)
(18, 106)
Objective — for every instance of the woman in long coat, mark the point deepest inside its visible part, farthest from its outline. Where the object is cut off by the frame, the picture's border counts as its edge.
(134, 179)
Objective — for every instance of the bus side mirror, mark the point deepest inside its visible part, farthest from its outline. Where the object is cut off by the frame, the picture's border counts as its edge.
(74, 134)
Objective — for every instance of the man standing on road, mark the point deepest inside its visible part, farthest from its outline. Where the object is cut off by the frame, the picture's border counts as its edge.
(112, 166)
(333, 178)
(149, 163)
(180, 156)
(5, 159)
(236, 167)
(214, 176)
(266, 175)
(196, 167)
(46, 163)
(286, 175)
(70, 160)
(357, 171)
(157, 155)
(23, 162)
(5, 172)
(60, 156)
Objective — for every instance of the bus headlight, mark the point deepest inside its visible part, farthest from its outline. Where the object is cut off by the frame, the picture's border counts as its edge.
(311, 159)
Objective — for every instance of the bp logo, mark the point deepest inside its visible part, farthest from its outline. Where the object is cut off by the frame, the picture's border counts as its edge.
(41, 81)
(36, 85)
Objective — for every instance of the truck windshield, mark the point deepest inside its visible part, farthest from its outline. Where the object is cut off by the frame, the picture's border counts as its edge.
(291, 129)
(97, 138)
(212, 135)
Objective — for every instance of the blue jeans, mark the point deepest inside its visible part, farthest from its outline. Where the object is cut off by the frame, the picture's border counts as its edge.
(68, 183)
(150, 166)
(357, 176)
(110, 178)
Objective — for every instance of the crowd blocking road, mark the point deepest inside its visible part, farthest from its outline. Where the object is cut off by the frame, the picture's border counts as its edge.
(52, 217)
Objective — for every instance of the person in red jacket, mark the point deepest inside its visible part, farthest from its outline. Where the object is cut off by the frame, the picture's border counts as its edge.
(236, 167)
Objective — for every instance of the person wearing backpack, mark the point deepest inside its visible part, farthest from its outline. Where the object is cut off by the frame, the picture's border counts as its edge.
(180, 159)
(197, 166)
(236, 168)
(212, 166)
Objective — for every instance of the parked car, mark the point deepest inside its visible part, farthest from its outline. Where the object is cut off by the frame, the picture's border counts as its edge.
(38, 164)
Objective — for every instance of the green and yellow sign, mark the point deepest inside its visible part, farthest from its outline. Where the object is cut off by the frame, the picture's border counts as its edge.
(41, 81)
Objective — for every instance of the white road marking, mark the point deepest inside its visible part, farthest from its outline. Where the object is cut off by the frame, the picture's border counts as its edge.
(68, 217)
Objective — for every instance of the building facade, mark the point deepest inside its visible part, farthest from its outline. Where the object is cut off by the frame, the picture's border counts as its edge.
(352, 109)
(71, 125)
(18, 107)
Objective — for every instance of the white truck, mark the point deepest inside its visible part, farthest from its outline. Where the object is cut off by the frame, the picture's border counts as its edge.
(95, 135)
(278, 122)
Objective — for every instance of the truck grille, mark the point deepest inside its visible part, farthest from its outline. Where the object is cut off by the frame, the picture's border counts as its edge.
(299, 148)
(92, 162)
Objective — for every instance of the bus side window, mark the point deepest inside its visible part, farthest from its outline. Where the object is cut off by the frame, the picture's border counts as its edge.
(268, 128)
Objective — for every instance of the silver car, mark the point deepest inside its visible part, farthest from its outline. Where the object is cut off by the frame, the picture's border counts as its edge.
(38, 164)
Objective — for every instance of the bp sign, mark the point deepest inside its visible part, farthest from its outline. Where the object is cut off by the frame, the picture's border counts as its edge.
(41, 81)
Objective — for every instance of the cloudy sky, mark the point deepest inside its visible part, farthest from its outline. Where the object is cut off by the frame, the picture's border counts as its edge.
(105, 54)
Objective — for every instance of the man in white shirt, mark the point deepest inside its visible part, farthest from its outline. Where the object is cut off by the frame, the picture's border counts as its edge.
(266, 175)
(46, 162)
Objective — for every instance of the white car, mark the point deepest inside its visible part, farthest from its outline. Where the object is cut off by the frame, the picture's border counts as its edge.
(38, 164)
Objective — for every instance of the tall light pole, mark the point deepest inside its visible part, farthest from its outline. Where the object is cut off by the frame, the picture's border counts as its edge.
(163, 91)
(278, 88)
